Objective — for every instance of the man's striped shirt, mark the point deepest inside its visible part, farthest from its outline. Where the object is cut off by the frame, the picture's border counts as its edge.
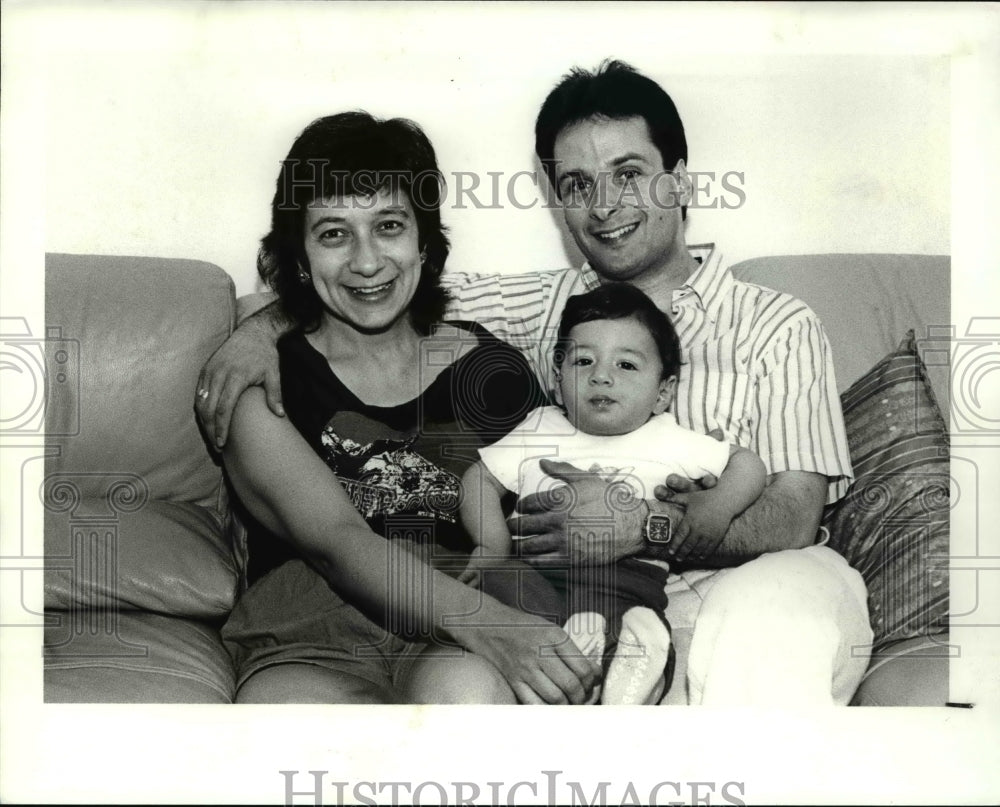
(756, 362)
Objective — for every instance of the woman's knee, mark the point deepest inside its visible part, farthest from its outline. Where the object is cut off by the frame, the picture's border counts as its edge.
(447, 675)
(309, 683)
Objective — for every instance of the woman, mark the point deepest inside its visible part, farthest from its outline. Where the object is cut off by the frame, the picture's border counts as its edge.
(386, 406)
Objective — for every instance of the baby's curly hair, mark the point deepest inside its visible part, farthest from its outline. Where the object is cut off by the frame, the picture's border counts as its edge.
(621, 301)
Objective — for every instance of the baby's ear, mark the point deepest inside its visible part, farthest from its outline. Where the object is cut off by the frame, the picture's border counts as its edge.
(665, 397)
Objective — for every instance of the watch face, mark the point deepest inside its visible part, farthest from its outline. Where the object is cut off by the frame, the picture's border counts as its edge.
(658, 528)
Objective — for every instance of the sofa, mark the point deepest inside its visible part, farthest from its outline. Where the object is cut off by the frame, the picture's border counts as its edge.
(146, 554)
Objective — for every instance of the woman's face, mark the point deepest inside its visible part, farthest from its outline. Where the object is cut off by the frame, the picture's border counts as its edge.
(364, 255)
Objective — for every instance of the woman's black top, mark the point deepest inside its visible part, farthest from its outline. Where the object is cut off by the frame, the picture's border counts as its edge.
(402, 465)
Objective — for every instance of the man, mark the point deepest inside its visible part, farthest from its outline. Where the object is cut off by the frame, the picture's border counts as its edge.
(776, 619)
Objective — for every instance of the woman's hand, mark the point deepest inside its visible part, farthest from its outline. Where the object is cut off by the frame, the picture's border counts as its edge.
(539, 661)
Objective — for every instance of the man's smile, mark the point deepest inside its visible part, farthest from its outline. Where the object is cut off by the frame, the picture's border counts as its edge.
(610, 236)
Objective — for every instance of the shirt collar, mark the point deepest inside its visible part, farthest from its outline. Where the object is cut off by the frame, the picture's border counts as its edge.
(710, 280)
(590, 279)
(707, 283)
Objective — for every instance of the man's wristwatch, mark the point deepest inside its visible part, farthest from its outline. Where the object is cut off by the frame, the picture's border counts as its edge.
(658, 529)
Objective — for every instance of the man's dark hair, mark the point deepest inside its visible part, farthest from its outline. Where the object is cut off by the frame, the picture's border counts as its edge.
(614, 91)
(621, 301)
(354, 154)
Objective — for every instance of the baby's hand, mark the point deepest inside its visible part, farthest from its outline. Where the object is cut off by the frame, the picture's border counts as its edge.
(703, 527)
(479, 559)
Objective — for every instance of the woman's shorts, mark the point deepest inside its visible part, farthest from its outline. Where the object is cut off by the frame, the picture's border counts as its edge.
(292, 615)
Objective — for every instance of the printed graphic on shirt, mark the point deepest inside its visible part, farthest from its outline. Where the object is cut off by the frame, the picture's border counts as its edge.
(385, 475)
(610, 473)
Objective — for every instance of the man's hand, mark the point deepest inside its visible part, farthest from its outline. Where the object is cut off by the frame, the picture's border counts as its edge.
(249, 357)
(587, 520)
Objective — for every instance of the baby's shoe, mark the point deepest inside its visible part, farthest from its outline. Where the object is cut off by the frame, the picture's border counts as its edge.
(643, 661)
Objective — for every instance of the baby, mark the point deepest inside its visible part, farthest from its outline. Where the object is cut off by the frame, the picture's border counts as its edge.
(617, 359)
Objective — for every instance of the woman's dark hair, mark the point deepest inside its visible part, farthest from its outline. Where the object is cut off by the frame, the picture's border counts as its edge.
(614, 91)
(621, 301)
(354, 154)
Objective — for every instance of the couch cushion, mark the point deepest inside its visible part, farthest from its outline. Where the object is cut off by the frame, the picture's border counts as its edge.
(892, 526)
(139, 658)
(913, 672)
(866, 303)
(142, 329)
(168, 557)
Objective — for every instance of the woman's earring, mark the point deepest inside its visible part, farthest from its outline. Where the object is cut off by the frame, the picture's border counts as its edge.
(303, 276)
(423, 256)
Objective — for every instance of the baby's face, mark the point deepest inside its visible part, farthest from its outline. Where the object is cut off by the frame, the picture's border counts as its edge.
(611, 377)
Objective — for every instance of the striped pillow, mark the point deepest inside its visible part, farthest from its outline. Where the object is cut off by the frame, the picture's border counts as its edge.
(892, 526)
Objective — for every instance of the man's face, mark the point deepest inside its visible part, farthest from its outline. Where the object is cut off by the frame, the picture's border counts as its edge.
(622, 208)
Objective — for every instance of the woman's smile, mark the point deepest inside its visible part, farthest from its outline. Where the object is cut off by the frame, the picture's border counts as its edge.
(373, 294)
